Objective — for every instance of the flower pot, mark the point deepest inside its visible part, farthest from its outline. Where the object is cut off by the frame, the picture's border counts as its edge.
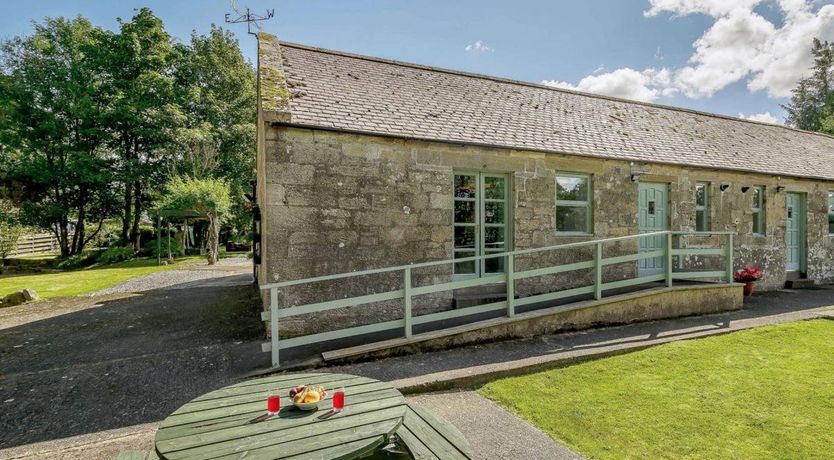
(748, 288)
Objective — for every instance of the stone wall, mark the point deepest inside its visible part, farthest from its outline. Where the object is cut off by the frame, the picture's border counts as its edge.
(338, 202)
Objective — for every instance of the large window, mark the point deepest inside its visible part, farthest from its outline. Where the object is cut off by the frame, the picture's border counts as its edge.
(831, 212)
(574, 211)
(702, 207)
(758, 211)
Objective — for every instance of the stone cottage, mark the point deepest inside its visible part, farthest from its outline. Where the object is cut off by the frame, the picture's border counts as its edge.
(367, 163)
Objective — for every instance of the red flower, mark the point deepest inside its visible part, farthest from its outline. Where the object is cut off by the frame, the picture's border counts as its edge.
(748, 274)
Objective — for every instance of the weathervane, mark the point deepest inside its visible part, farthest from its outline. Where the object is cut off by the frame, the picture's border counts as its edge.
(247, 17)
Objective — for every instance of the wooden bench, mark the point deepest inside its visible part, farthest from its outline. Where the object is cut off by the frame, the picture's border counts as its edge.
(137, 455)
(429, 437)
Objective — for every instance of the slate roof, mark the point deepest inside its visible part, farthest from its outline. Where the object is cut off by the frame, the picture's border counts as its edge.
(355, 93)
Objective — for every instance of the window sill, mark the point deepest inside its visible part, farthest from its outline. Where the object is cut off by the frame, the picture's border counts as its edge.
(574, 234)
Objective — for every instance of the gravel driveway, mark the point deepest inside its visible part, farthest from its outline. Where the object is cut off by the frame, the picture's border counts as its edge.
(126, 356)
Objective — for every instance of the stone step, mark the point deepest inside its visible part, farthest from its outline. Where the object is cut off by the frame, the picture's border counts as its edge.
(803, 283)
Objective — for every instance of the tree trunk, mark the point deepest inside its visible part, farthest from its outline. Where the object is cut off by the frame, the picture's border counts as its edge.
(137, 216)
(213, 239)
(127, 216)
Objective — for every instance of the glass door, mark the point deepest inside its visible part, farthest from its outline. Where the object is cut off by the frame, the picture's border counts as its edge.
(480, 222)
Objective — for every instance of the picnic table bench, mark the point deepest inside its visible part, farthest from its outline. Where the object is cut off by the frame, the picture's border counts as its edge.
(221, 424)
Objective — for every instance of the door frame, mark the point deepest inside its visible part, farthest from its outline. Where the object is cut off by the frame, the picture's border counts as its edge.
(802, 230)
(480, 206)
(666, 225)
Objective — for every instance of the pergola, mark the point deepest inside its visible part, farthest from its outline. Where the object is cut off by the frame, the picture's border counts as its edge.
(173, 215)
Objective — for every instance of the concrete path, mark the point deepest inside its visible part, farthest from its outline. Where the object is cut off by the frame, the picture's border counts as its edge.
(493, 432)
(92, 369)
(470, 366)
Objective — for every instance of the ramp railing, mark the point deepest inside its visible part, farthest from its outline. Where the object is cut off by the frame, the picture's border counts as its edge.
(406, 294)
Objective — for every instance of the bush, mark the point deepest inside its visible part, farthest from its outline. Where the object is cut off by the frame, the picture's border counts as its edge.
(149, 248)
(85, 259)
(115, 254)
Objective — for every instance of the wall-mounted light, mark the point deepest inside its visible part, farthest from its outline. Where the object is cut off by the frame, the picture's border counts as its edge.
(724, 187)
(780, 188)
(745, 189)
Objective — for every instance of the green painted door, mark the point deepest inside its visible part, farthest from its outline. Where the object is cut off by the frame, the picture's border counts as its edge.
(794, 232)
(652, 216)
(481, 222)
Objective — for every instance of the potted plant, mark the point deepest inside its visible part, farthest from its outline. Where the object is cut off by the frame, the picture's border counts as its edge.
(748, 276)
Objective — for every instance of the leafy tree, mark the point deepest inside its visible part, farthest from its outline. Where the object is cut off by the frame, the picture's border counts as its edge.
(812, 103)
(144, 111)
(53, 143)
(206, 196)
(11, 228)
(218, 140)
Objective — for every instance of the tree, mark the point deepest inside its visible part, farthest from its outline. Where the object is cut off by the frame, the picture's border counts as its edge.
(10, 229)
(218, 139)
(53, 143)
(206, 196)
(144, 111)
(812, 103)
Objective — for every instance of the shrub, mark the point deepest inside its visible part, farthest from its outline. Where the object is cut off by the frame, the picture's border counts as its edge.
(115, 254)
(149, 248)
(85, 259)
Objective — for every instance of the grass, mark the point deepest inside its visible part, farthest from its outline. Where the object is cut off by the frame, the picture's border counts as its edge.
(762, 393)
(83, 281)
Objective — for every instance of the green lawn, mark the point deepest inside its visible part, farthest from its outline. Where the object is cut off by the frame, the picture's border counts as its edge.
(77, 282)
(762, 393)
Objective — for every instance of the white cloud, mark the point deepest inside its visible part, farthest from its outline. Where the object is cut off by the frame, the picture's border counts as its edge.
(478, 47)
(740, 45)
(764, 117)
(646, 85)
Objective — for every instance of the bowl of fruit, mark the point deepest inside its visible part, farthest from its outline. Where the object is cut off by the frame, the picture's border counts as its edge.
(307, 397)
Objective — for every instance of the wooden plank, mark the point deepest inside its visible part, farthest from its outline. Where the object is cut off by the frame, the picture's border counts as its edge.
(341, 333)
(293, 420)
(203, 422)
(261, 393)
(446, 429)
(359, 438)
(554, 295)
(417, 448)
(335, 424)
(278, 386)
(448, 314)
(698, 252)
(553, 270)
(357, 449)
(634, 281)
(696, 275)
(459, 284)
(631, 257)
(339, 303)
(432, 436)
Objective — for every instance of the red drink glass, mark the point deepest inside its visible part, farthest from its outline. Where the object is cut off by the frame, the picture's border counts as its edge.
(339, 400)
(273, 404)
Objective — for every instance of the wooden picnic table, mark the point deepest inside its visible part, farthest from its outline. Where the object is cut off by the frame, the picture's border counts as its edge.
(219, 424)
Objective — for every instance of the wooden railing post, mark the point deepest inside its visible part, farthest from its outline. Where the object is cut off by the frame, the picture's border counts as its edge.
(668, 253)
(729, 257)
(510, 286)
(273, 324)
(407, 301)
(598, 271)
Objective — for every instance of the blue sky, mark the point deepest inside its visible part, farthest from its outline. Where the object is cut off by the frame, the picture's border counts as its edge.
(724, 56)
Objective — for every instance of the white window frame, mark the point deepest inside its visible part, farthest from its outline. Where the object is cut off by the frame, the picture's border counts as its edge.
(589, 204)
(759, 212)
(703, 208)
(830, 213)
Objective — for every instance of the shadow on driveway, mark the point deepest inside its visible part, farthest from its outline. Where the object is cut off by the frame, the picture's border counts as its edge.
(124, 360)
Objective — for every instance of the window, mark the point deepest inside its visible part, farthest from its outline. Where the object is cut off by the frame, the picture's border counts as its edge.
(831, 213)
(573, 203)
(758, 211)
(702, 207)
